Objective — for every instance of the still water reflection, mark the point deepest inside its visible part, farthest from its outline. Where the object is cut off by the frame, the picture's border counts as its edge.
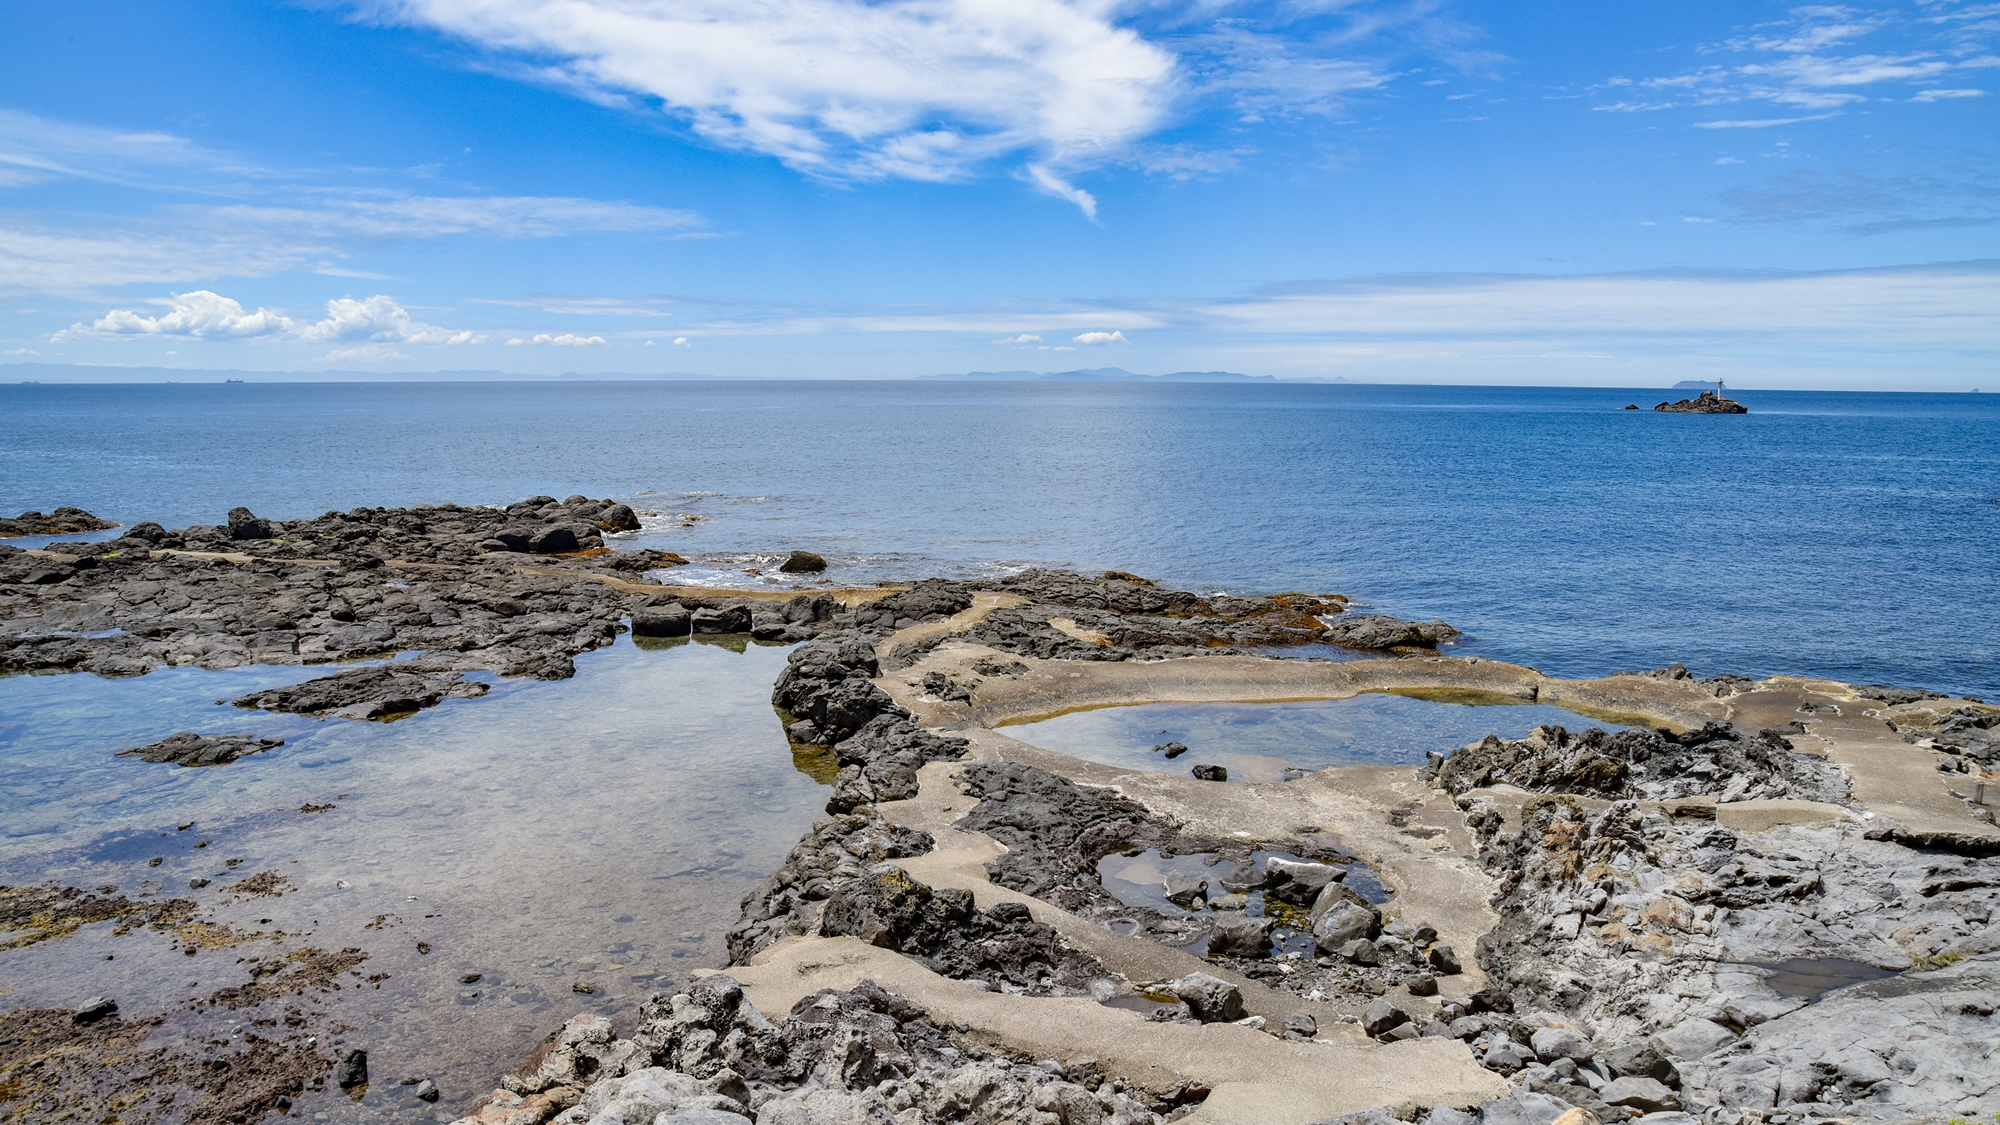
(592, 834)
(1277, 741)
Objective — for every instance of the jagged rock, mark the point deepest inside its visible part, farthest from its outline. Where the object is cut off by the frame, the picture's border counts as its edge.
(1209, 773)
(190, 749)
(1707, 403)
(62, 521)
(1655, 765)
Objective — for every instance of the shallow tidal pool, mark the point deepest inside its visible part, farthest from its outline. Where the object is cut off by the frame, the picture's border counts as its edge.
(1284, 741)
(573, 845)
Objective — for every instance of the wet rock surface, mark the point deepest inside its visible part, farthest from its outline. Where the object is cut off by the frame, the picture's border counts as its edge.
(706, 1056)
(62, 521)
(365, 693)
(190, 749)
(237, 1054)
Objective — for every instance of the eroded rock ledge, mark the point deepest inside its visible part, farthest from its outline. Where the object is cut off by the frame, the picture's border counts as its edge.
(1777, 911)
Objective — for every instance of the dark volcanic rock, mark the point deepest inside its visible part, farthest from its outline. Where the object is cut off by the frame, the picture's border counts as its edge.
(721, 620)
(880, 761)
(837, 850)
(190, 749)
(1656, 765)
(401, 579)
(243, 525)
(1043, 818)
(62, 521)
(826, 684)
(670, 620)
(365, 693)
(638, 562)
(1383, 633)
(802, 562)
(1707, 403)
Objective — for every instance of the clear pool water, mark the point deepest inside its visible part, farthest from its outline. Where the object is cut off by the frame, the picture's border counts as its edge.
(1281, 741)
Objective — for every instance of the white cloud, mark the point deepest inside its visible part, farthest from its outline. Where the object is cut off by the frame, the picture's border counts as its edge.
(379, 319)
(919, 89)
(1925, 308)
(1937, 95)
(1808, 62)
(1761, 123)
(22, 351)
(205, 315)
(1055, 185)
(1099, 338)
(200, 315)
(1017, 341)
(565, 340)
(679, 342)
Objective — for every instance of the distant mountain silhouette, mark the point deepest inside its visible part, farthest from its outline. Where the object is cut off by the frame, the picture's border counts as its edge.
(1112, 375)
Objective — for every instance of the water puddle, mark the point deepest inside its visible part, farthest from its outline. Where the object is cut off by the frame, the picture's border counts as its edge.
(1813, 977)
(572, 845)
(1285, 741)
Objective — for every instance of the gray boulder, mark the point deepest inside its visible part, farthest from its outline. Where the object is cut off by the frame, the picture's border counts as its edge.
(670, 620)
(1643, 1094)
(1344, 922)
(1212, 999)
(1445, 960)
(1551, 1043)
(1239, 935)
(1298, 883)
(1382, 1016)
(1522, 1109)
(731, 619)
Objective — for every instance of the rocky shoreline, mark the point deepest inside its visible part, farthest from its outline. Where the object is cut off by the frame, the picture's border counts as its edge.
(1761, 902)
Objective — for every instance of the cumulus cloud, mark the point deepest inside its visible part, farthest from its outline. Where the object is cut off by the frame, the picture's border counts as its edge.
(679, 342)
(1099, 338)
(564, 340)
(1017, 341)
(206, 315)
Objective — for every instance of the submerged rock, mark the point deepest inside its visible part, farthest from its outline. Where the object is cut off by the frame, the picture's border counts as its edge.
(365, 693)
(190, 749)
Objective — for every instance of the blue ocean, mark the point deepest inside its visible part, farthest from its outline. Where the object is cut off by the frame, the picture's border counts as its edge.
(1841, 534)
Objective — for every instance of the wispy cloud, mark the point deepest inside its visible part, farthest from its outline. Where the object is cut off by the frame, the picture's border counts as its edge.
(259, 221)
(1809, 61)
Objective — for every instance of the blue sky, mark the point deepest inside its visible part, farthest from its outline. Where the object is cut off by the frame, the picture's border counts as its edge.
(1412, 191)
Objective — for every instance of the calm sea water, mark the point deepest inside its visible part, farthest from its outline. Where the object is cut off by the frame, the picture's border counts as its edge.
(1852, 535)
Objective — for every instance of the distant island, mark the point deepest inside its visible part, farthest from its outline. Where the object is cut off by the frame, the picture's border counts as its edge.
(1119, 375)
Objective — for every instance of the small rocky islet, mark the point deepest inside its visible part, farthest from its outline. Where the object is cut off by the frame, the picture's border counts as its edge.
(1576, 925)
